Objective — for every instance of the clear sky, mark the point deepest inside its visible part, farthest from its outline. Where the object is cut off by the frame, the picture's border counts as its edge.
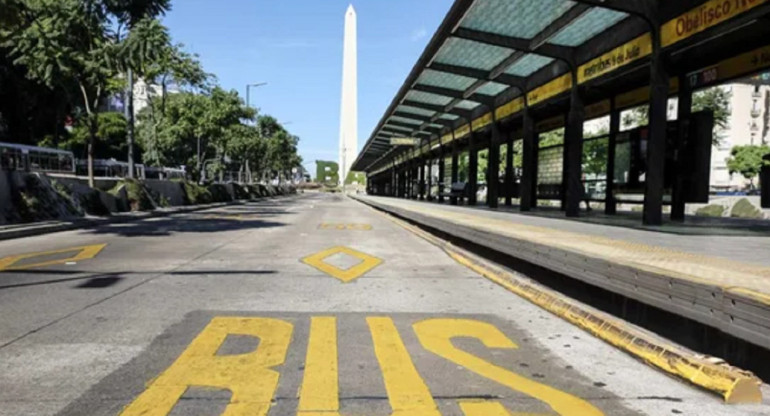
(296, 47)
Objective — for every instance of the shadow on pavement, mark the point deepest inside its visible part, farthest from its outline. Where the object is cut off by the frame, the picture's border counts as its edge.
(167, 226)
(97, 280)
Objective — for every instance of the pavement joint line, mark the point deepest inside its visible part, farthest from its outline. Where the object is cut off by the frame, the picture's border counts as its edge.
(733, 384)
(116, 294)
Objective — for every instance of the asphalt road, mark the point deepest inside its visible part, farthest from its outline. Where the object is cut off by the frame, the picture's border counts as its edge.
(306, 305)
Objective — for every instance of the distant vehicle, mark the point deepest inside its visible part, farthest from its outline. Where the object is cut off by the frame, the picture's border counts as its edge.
(26, 158)
(109, 168)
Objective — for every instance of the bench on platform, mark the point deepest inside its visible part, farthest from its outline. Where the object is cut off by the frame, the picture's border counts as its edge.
(457, 190)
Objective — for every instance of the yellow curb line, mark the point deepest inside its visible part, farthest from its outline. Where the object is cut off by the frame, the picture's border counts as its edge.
(733, 384)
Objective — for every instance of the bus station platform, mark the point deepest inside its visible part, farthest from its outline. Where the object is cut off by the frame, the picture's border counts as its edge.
(716, 275)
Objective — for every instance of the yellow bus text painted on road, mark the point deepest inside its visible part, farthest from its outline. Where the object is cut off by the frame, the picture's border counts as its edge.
(253, 377)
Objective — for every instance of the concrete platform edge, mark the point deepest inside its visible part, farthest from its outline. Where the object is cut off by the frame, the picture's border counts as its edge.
(733, 384)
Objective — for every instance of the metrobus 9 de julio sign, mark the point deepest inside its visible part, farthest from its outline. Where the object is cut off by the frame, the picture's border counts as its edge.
(703, 17)
(404, 141)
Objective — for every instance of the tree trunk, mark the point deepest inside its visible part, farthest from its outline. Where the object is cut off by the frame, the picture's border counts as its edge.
(91, 140)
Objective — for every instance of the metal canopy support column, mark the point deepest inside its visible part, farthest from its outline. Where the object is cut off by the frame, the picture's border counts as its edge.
(420, 179)
(684, 110)
(573, 142)
(473, 168)
(656, 146)
(455, 170)
(529, 162)
(429, 180)
(493, 165)
(393, 181)
(610, 205)
(441, 175)
(509, 169)
(408, 178)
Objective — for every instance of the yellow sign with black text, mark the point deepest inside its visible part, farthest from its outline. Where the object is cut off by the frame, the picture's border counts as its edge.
(509, 108)
(550, 89)
(614, 59)
(703, 17)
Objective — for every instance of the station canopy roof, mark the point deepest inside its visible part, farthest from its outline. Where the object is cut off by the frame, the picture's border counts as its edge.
(487, 50)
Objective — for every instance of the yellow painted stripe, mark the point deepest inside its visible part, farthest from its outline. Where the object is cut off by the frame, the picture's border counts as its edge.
(407, 393)
(249, 377)
(436, 336)
(319, 394)
(488, 408)
(83, 253)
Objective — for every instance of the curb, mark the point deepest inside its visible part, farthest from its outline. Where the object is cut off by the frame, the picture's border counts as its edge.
(733, 384)
(33, 230)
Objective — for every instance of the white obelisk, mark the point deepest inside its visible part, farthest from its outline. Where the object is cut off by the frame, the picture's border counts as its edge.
(349, 106)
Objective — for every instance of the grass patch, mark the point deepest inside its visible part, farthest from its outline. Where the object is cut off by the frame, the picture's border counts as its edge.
(138, 199)
(745, 209)
(713, 210)
(196, 194)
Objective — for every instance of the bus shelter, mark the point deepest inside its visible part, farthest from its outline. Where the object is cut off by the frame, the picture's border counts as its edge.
(499, 73)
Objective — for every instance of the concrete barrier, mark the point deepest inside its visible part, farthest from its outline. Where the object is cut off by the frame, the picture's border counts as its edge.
(173, 192)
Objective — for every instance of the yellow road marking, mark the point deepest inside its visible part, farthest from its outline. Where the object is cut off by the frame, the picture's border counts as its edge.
(83, 253)
(319, 394)
(249, 376)
(488, 408)
(346, 275)
(436, 335)
(407, 393)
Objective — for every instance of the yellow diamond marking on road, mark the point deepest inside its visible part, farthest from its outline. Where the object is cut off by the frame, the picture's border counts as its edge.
(346, 275)
(79, 253)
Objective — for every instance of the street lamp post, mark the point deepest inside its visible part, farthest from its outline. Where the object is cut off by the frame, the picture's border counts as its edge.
(248, 87)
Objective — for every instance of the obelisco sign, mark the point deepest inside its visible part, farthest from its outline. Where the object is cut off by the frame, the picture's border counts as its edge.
(349, 106)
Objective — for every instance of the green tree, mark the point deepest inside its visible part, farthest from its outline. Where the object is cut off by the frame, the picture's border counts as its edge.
(715, 98)
(747, 160)
(144, 42)
(72, 45)
(67, 41)
(112, 137)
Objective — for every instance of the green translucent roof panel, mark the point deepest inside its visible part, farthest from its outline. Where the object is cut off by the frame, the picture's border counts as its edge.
(405, 120)
(426, 97)
(528, 64)
(415, 110)
(448, 117)
(463, 52)
(398, 128)
(445, 79)
(492, 88)
(517, 18)
(436, 125)
(587, 26)
(467, 105)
